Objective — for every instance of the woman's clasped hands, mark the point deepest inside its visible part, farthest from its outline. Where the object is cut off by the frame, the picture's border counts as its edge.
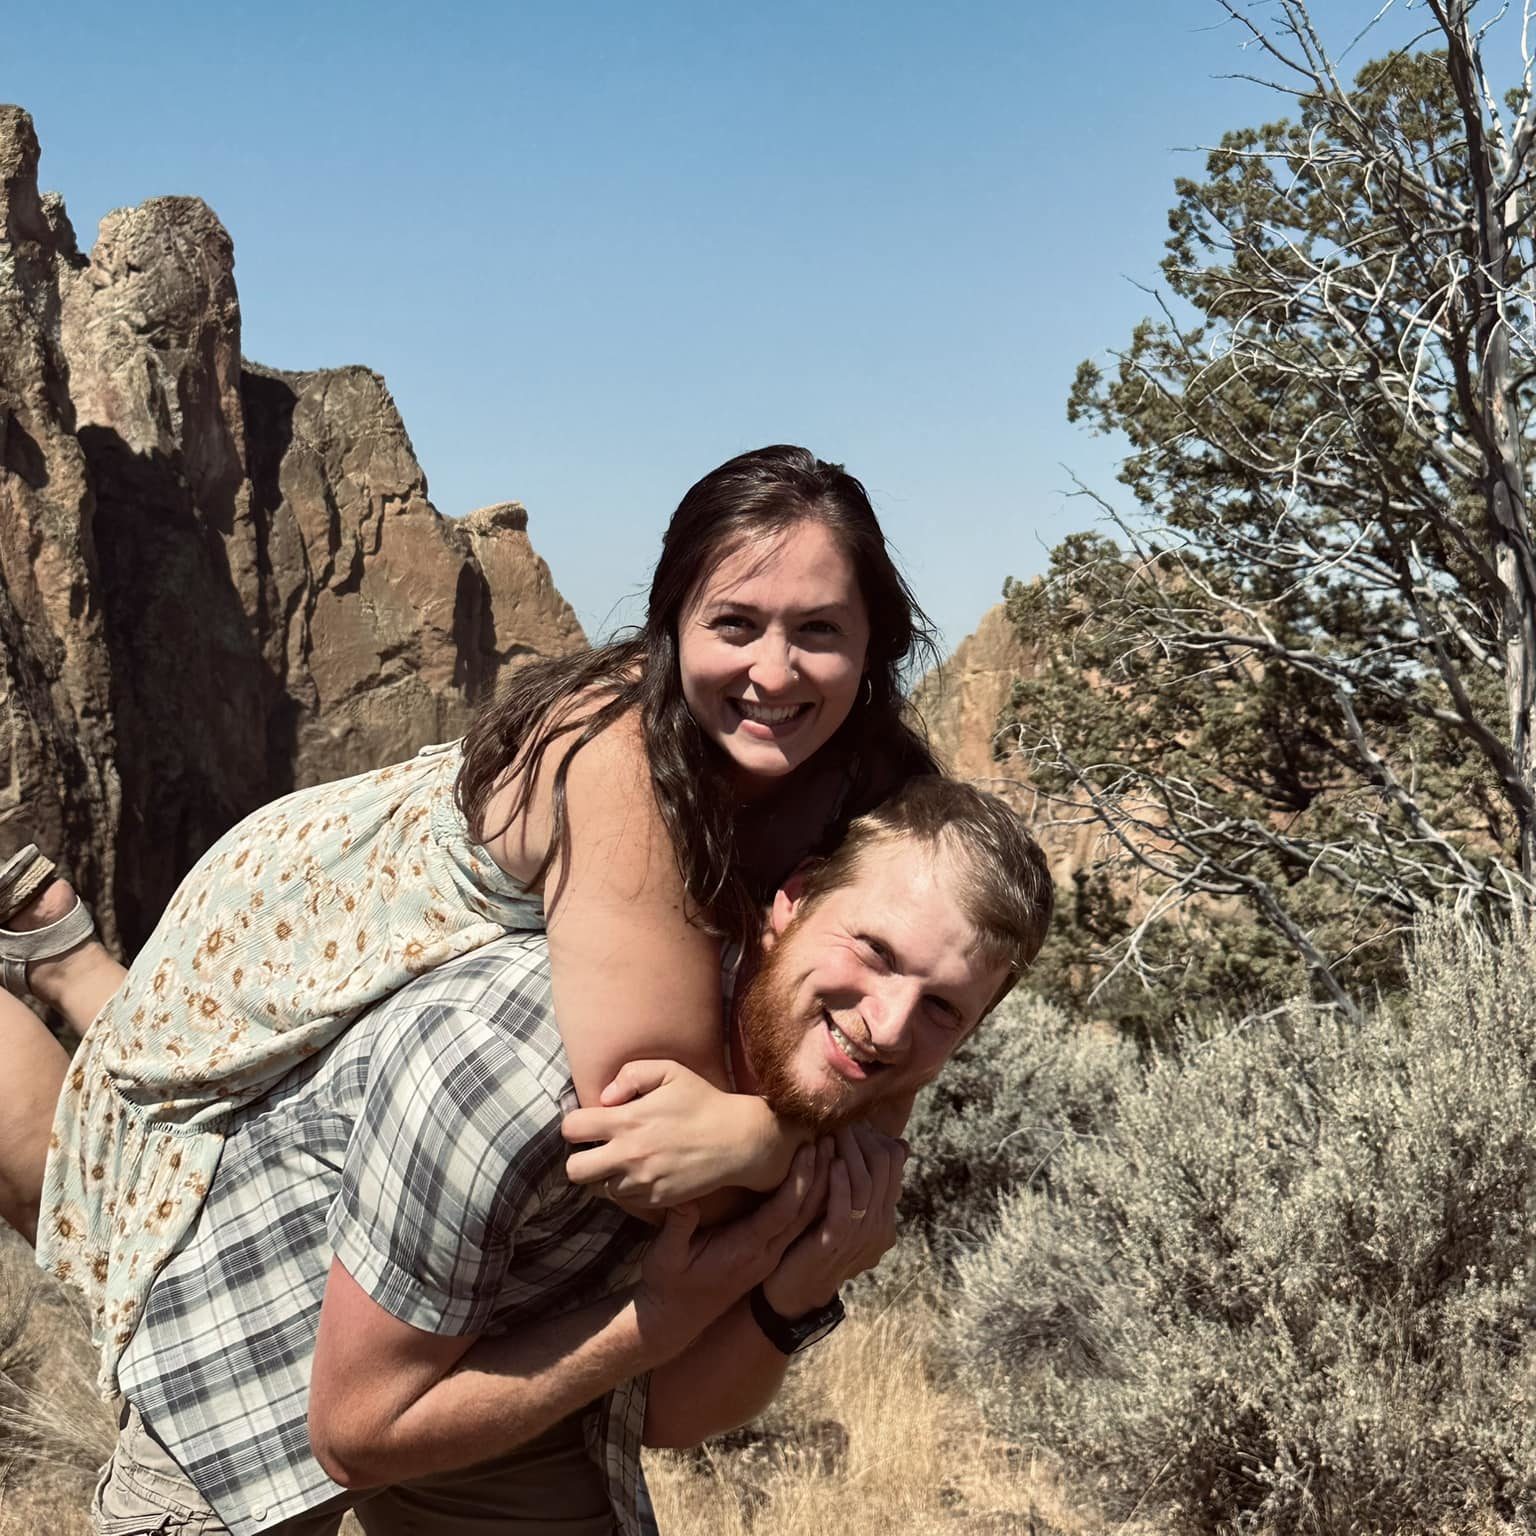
(663, 1135)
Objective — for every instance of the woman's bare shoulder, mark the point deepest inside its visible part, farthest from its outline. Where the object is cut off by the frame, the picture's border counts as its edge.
(606, 774)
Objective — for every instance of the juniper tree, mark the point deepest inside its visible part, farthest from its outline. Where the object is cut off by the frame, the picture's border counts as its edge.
(1314, 643)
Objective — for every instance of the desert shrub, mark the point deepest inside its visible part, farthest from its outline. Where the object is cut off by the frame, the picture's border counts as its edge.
(1292, 1289)
(1025, 1084)
(1210, 953)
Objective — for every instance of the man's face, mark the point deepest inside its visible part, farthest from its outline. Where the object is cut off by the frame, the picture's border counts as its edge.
(865, 995)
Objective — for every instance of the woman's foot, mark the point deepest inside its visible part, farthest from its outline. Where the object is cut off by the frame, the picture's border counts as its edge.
(49, 944)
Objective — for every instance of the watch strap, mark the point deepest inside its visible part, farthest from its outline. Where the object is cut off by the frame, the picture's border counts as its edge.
(789, 1335)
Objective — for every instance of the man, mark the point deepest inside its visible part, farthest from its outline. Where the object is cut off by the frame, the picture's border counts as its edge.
(395, 1299)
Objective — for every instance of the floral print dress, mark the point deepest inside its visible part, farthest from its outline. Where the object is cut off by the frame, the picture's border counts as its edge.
(288, 927)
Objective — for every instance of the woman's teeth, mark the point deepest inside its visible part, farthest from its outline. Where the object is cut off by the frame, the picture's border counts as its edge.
(769, 715)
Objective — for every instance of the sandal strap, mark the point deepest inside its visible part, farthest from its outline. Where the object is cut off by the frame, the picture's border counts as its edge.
(21, 877)
(18, 950)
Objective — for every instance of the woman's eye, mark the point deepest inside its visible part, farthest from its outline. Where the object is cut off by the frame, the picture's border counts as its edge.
(821, 627)
(729, 623)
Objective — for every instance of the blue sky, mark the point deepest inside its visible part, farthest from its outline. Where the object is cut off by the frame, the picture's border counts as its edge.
(596, 248)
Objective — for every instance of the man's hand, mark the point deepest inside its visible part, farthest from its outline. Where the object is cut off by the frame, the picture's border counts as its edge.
(731, 1372)
(856, 1230)
(389, 1401)
(689, 1278)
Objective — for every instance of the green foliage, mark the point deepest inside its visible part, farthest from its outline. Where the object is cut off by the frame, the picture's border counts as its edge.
(1027, 1081)
(1283, 684)
(1291, 1288)
(1203, 962)
(1238, 781)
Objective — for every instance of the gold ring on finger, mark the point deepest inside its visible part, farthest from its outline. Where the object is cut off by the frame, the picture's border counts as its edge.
(859, 1215)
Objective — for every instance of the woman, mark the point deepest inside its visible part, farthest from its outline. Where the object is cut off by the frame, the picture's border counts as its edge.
(637, 800)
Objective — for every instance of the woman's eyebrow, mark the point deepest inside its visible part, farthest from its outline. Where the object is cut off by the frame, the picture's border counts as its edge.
(728, 604)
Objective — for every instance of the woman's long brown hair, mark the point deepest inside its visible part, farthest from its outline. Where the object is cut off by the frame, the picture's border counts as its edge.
(756, 495)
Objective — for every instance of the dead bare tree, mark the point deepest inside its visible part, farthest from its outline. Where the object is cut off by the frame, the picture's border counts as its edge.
(1314, 643)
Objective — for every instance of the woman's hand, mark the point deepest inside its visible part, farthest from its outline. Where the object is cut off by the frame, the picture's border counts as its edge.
(667, 1136)
(857, 1228)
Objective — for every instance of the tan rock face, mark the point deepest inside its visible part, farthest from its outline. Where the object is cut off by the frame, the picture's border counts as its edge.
(964, 704)
(962, 701)
(217, 581)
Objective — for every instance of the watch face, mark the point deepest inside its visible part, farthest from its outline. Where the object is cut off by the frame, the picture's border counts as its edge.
(811, 1330)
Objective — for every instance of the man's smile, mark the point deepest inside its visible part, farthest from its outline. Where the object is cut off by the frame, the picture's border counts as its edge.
(850, 1058)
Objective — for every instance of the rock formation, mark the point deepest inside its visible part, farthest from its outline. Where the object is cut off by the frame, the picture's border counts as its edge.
(963, 704)
(217, 581)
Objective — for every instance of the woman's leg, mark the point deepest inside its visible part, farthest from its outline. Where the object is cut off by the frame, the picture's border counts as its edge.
(35, 1065)
(76, 983)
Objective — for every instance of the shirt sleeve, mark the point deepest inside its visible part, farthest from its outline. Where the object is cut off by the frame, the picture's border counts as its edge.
(453, 1139)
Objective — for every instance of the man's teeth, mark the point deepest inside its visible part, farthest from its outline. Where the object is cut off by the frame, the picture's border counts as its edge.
(860, 1053)
(765, 715)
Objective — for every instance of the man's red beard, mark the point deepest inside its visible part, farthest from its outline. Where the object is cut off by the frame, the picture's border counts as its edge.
(772, 1032)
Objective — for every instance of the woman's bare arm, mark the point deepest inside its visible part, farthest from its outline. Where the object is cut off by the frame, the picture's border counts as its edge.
(633, 978)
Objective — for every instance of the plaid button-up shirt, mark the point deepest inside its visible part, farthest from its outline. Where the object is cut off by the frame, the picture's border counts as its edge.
(423, 1149)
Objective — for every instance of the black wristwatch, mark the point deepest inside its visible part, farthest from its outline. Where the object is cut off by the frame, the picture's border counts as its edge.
(789, 1335)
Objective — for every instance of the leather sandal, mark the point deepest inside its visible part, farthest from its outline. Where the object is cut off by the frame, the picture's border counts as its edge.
(21, 879)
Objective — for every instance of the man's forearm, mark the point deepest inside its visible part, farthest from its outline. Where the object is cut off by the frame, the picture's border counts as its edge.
(727, 1376)
(504, 1391)
(390, 1401)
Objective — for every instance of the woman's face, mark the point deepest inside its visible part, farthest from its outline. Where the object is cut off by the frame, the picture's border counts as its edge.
(772, 646)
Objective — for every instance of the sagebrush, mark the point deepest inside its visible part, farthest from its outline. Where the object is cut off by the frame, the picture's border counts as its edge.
(1025, 1083)
(1291, 1287)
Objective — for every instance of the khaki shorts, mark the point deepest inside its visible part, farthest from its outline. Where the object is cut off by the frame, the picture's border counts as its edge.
(548, 1487)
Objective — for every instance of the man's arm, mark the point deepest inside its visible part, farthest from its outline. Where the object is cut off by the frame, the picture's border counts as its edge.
(389, 1402)
(731, 1372)
(726, 1377)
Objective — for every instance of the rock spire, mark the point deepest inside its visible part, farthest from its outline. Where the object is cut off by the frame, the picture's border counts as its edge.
(218, 581)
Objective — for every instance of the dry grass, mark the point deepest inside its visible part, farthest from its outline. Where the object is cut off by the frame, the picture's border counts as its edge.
(860, 1442)
(863, 1441)
(55, 1432)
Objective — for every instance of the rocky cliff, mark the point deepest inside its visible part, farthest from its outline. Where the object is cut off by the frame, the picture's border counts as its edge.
(963, 705)
(217, 581)
(962, 702)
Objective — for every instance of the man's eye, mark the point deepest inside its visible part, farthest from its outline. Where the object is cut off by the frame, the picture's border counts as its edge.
(946, 1013)
(878, 952)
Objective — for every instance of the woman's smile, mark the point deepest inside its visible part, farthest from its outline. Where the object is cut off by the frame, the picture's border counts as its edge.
(772, 721)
